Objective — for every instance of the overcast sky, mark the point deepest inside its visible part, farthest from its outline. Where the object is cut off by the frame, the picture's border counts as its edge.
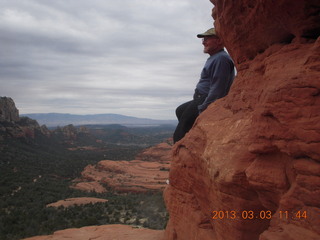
(133, 57)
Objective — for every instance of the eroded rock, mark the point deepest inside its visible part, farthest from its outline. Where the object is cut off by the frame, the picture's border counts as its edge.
(254, 156)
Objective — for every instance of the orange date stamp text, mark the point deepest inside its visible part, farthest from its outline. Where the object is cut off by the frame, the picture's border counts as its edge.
(262, 215)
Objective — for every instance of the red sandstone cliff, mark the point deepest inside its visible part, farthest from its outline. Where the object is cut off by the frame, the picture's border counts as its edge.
(252, 160)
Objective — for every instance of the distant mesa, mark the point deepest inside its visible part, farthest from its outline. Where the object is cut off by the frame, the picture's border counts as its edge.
(67, 127)
(9, 113)
(61, 119)
(13, 126)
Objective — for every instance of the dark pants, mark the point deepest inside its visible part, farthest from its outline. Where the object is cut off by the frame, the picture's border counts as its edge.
(187, 113)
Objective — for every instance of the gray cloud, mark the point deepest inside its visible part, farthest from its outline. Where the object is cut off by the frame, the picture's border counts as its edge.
(132, 57)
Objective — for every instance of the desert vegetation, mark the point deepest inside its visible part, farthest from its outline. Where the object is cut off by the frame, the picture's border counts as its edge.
(38, 172)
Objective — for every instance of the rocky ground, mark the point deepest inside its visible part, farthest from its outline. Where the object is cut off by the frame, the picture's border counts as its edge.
(107, 232)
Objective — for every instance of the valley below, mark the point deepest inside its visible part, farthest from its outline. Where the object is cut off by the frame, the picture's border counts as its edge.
(91, 181)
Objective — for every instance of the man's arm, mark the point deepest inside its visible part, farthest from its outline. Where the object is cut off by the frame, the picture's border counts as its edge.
(221, 80)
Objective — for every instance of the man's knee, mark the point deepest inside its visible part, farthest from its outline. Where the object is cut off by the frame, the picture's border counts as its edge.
(179, 112)
(181, 109)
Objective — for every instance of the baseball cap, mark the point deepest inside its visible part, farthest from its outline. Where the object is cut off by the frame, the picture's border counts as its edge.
(210, 32)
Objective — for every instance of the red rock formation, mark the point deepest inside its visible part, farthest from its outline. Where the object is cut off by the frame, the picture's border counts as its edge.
(76, 201)
(88, 186)
(12, 126)
(250, 27)
(252, 160)
(159, 153)
(148, 172)
(106, 232)
(8, 110)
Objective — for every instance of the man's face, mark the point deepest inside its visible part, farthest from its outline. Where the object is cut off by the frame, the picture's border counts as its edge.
(212, 44)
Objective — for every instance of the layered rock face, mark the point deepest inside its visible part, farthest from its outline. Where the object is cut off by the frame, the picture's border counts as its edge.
(250, 167)
(8, 110)
(148, 172)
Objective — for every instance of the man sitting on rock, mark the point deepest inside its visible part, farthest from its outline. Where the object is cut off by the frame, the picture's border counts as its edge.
(215, 81)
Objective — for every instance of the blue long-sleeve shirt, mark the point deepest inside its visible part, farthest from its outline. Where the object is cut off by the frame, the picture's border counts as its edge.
(216, 78)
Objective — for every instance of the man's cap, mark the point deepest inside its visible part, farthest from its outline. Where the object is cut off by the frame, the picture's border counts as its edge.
(210, 32)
